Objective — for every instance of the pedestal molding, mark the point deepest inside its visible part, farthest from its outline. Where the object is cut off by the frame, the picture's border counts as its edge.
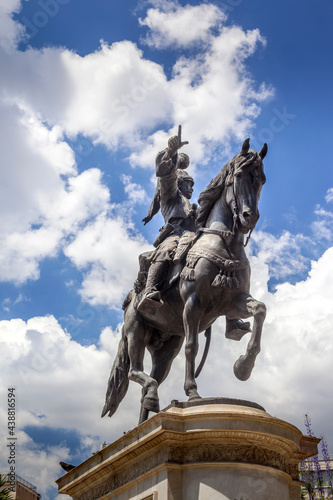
(191, 437)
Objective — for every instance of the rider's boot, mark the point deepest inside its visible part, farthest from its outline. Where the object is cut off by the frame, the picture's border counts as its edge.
(157, 272)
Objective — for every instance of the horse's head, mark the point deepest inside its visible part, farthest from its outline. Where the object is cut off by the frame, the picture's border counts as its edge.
(244, 181)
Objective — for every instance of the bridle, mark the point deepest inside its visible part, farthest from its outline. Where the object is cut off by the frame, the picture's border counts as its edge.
(230, 181)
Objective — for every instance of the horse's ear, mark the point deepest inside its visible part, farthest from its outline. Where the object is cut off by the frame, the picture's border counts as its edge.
(263, 151)
(245, 147)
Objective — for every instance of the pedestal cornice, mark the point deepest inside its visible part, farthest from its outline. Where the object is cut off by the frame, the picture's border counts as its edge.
(209, 433)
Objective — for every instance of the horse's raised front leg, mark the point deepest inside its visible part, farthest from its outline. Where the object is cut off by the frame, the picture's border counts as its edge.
(248, 306)
(191, 319)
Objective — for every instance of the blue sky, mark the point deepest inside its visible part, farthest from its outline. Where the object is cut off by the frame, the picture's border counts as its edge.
(90, 91)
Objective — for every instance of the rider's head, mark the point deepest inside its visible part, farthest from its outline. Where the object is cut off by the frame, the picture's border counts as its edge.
(185, 183)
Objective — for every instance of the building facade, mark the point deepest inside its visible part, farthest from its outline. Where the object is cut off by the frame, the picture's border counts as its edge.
(21, 489)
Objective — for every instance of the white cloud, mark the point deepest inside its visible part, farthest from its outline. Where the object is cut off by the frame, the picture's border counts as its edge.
(117, 97)
(283, 254)
(10, 31)
(322, 228)
(43, 199)
(108, 249)
(59, 384)
(213, 102)
(136, 193)
(329, 195)
(174, 25)
(33, 158)
(32, 458)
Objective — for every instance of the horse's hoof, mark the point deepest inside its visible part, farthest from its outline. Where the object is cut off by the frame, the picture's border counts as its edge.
(243, 368)
(193, 395)
(151, 403)
(194, 398)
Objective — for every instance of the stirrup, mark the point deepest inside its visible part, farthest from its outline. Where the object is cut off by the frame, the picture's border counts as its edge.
(154, 295)
(149, 306)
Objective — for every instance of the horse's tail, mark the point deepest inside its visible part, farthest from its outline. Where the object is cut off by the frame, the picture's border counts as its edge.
(118, 380)
(208, 334)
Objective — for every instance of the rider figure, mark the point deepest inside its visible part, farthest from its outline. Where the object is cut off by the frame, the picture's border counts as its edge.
(173, 192)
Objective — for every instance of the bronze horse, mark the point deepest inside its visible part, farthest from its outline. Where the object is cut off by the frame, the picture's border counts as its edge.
(215, 282)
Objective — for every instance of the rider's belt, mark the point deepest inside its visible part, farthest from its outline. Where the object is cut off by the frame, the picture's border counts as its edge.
(226, 278)
(173, 227)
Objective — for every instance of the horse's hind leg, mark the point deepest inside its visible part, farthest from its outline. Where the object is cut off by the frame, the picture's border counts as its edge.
(248, 306)
(162, 360)
(137, 338)
(191, 319)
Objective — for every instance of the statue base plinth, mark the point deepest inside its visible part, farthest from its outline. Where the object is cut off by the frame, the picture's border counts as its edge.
(216, 449)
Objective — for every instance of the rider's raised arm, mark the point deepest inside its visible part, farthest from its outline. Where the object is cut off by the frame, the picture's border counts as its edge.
(166, 167)
(166, 171)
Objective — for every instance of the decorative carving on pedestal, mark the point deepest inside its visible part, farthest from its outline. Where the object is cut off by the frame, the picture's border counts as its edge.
(126, 475)
(293, 471)
(207, 452)
(228, 453)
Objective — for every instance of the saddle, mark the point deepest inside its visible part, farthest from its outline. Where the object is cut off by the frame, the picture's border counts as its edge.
(178, 261)
(145, 259)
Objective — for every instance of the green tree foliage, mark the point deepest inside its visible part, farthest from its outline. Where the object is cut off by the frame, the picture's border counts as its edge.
(4, 493)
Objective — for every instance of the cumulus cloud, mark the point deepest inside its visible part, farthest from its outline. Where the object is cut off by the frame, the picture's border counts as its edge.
(283, 254)
(107, 95)
(43, 199)
(322, 227)
(136, 194)
(117, 98)
(59, 384)
(107, 251)
(213, 102)
(174, 25)
(46, 205)
(10, 31)
(32, 458)
(329, 195)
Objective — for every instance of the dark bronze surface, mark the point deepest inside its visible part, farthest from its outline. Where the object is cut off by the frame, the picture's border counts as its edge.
(176, 298)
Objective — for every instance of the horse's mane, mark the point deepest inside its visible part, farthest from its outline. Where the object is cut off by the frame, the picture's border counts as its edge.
(208, 196)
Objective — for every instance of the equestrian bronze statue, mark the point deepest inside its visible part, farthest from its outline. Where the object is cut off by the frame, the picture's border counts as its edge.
(197, 273)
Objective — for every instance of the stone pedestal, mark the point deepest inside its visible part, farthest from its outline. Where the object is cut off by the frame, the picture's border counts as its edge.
(212, 449)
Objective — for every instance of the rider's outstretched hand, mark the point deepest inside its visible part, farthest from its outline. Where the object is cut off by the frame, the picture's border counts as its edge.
(146, 219)
(175, 142)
